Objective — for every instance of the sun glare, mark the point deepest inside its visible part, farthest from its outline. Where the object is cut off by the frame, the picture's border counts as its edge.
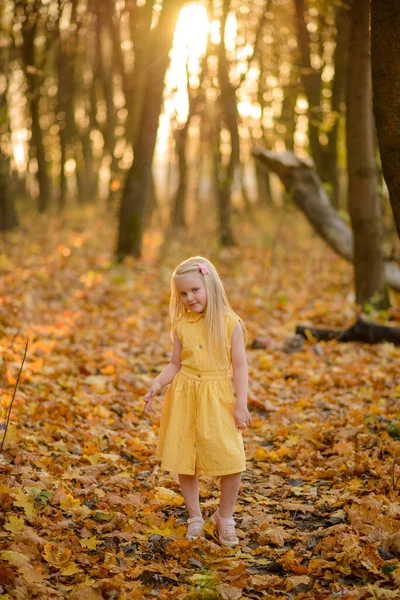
(189, 45)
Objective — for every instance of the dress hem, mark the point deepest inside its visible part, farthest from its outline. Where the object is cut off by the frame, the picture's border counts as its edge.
(202, 472)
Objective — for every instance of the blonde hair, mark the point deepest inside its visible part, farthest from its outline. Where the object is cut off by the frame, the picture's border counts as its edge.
(217, 304)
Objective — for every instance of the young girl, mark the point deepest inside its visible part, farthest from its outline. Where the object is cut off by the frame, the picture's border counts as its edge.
(201, 423)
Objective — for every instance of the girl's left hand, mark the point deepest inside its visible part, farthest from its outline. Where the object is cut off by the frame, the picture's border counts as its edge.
(242, 417)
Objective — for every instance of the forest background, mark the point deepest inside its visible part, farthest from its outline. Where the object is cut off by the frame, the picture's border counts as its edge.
(264, 135)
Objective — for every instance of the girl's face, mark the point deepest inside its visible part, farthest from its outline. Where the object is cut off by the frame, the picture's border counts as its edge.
(191, 290)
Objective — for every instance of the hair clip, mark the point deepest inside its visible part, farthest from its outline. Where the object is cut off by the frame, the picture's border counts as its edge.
(204, 270)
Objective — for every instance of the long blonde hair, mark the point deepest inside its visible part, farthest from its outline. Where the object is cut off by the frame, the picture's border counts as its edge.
(217, 304)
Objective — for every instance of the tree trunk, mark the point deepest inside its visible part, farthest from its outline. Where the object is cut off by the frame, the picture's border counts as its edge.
(301, 180)
(138, 180)
(311, 80)
(225, 175)
(29, 28)
(340, 58)
(385, 56)
(364, 205)
(140, 26)
(178, 210)
(264, 195)
(8, 215)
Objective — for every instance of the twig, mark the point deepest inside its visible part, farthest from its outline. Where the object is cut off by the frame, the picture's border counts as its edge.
(12, 400)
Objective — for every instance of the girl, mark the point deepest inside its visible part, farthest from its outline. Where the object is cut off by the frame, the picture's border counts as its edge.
(201, 423)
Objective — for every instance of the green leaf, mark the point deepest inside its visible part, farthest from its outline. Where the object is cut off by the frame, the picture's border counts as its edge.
(388, 568)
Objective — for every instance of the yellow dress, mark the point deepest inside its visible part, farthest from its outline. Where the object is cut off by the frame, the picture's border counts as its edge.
(198, 434)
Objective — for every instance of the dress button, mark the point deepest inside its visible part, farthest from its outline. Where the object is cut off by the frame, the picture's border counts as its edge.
(198, 375)
(201, 345)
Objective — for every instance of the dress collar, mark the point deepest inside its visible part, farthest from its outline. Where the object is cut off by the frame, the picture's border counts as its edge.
(194, 317)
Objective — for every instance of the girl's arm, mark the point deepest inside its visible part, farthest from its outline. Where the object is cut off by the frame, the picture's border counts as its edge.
(240, 378)
(166, 375)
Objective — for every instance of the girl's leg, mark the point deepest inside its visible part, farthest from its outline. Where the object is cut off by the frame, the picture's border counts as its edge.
(229, 490)
(190, 492)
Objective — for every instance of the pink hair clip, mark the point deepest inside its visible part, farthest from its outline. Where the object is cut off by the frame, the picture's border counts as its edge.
(204, 270)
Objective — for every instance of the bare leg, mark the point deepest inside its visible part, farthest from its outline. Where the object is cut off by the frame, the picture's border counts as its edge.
(229, 490)
(190, 492)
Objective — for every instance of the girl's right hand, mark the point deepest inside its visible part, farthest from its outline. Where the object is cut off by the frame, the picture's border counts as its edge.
(155, 388)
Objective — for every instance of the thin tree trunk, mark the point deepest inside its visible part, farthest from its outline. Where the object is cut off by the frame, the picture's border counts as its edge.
(364, 205)
(140, 25)
(8, 214)
(311, 80)
(138, 179)
(338, 93)
(385, 56)
(225, 176)
(178, 210)
(29, 28)
(264, 194)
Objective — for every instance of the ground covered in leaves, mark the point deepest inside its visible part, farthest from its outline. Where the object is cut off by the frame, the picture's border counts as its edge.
(85, 511)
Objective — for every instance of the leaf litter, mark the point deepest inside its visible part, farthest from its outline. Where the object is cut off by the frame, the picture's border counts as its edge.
(85, 511)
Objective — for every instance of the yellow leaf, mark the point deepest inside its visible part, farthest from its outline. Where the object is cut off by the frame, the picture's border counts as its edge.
(97, 381)
(103, 412)
(56, 556)
(110, 370)
(4, 489)
(84, 592)
(15, 524)
(310, 336)
(90, 543)
(5, 400)
(69, 503)
(12, 433)
(31, 575)
(260, 454)
(24, 501)
(37, 365)
(70, 569)
(265, 362)
(168, 496)
(17, 559)
(166, 530)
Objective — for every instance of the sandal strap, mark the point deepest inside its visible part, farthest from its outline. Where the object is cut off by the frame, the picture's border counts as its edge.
(196, 520)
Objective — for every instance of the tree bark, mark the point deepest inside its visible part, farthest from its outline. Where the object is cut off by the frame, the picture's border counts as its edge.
(364, 205)
(138, 180)
(311, 80)
(224, 176)
(29, 28)
(8, 215)
(301, 180)
(385, 57)
(140, 26)
(340, 59)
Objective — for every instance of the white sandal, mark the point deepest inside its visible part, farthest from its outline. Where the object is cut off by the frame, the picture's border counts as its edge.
(226, 529)
(195, 528)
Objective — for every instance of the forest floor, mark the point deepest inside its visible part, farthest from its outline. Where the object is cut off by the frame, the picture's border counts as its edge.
(86, 513)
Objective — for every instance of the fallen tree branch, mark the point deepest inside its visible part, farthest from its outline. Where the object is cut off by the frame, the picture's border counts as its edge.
(8, 415)
(299, 177)
(360, 331)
